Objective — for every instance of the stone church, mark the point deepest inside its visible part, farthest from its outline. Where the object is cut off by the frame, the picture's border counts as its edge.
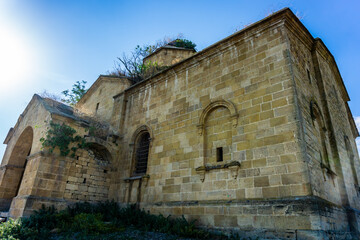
(253, 133)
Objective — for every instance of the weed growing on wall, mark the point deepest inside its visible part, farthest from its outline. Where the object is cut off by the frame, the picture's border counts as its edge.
(63, 137)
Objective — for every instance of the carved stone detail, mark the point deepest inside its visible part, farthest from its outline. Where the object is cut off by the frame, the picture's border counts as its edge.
(218, 103)
(233, 166)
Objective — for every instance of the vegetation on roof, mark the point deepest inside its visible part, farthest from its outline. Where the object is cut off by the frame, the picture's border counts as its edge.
(70, 97)
(183, 43)
(133, 66)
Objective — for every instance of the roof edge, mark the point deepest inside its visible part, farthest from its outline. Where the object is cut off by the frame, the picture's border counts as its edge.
(283, 11)
(324, 50)
(95, 85)
(9, 135)
(168, 47)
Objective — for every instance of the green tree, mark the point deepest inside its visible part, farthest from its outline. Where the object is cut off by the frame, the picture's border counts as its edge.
(73, 96)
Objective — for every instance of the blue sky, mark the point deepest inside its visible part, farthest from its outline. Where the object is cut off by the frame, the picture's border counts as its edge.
(49, 45)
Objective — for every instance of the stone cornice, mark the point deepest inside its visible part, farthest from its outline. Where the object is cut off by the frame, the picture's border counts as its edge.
(167, 47)
(10, 166)
(9, 135)
(310, 201)
(48, 154)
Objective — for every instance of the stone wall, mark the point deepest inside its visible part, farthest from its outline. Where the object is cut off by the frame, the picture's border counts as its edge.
(253, 133)
(88, 178)
(168, 56)
(98, 101)
(286, 218)
(23, 141)
(59, 181)
(248, 70)
(319, 85)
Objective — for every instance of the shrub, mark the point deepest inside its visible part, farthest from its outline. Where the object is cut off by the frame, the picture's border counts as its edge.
(45, 218)
(85, 220)
(10, 229)
(184, 43)
(89, 223)
(14, 229)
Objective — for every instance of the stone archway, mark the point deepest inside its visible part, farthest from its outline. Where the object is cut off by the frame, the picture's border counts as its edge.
(13, 171)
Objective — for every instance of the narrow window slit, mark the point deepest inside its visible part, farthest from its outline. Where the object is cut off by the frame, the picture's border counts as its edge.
(219, 154)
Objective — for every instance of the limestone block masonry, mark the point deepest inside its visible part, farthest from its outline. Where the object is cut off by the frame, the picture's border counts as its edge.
(252, 134)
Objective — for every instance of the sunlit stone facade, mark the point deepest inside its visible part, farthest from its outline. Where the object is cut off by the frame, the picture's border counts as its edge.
(253, 134)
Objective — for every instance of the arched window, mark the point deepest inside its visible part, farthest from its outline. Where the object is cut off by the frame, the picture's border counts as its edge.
(351, 157)
(320, 136)
(141, 153)
(216, 125)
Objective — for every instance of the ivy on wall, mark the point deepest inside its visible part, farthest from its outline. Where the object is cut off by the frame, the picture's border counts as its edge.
(62, 136)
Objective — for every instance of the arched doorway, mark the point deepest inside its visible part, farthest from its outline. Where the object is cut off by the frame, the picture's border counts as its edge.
(15, 168)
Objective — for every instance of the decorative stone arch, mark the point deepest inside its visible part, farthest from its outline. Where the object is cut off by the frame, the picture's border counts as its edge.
(140, 134)
(351, 156)
(317, 118)
(203, 148)
(103, 146)
(139, 130)
(315, 113)
(101, 153)
(218, 103)
(22, 147)
(15, 168)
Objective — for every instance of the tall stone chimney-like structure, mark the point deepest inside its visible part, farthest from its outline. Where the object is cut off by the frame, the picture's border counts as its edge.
(169, 55)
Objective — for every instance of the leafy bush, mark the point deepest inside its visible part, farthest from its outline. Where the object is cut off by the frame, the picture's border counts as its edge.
(14, 229)
(45, 218)
(145, 221)
(10, 229)
(90, 223)
(109, 210)
(184, 43)
(87, 221)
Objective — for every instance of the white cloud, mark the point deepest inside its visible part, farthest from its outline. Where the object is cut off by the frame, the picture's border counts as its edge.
(357, 122)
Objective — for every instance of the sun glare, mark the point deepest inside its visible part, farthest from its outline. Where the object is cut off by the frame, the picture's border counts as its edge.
(15, 59)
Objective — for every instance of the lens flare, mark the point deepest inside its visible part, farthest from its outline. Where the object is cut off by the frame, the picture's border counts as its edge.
(15, 59)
